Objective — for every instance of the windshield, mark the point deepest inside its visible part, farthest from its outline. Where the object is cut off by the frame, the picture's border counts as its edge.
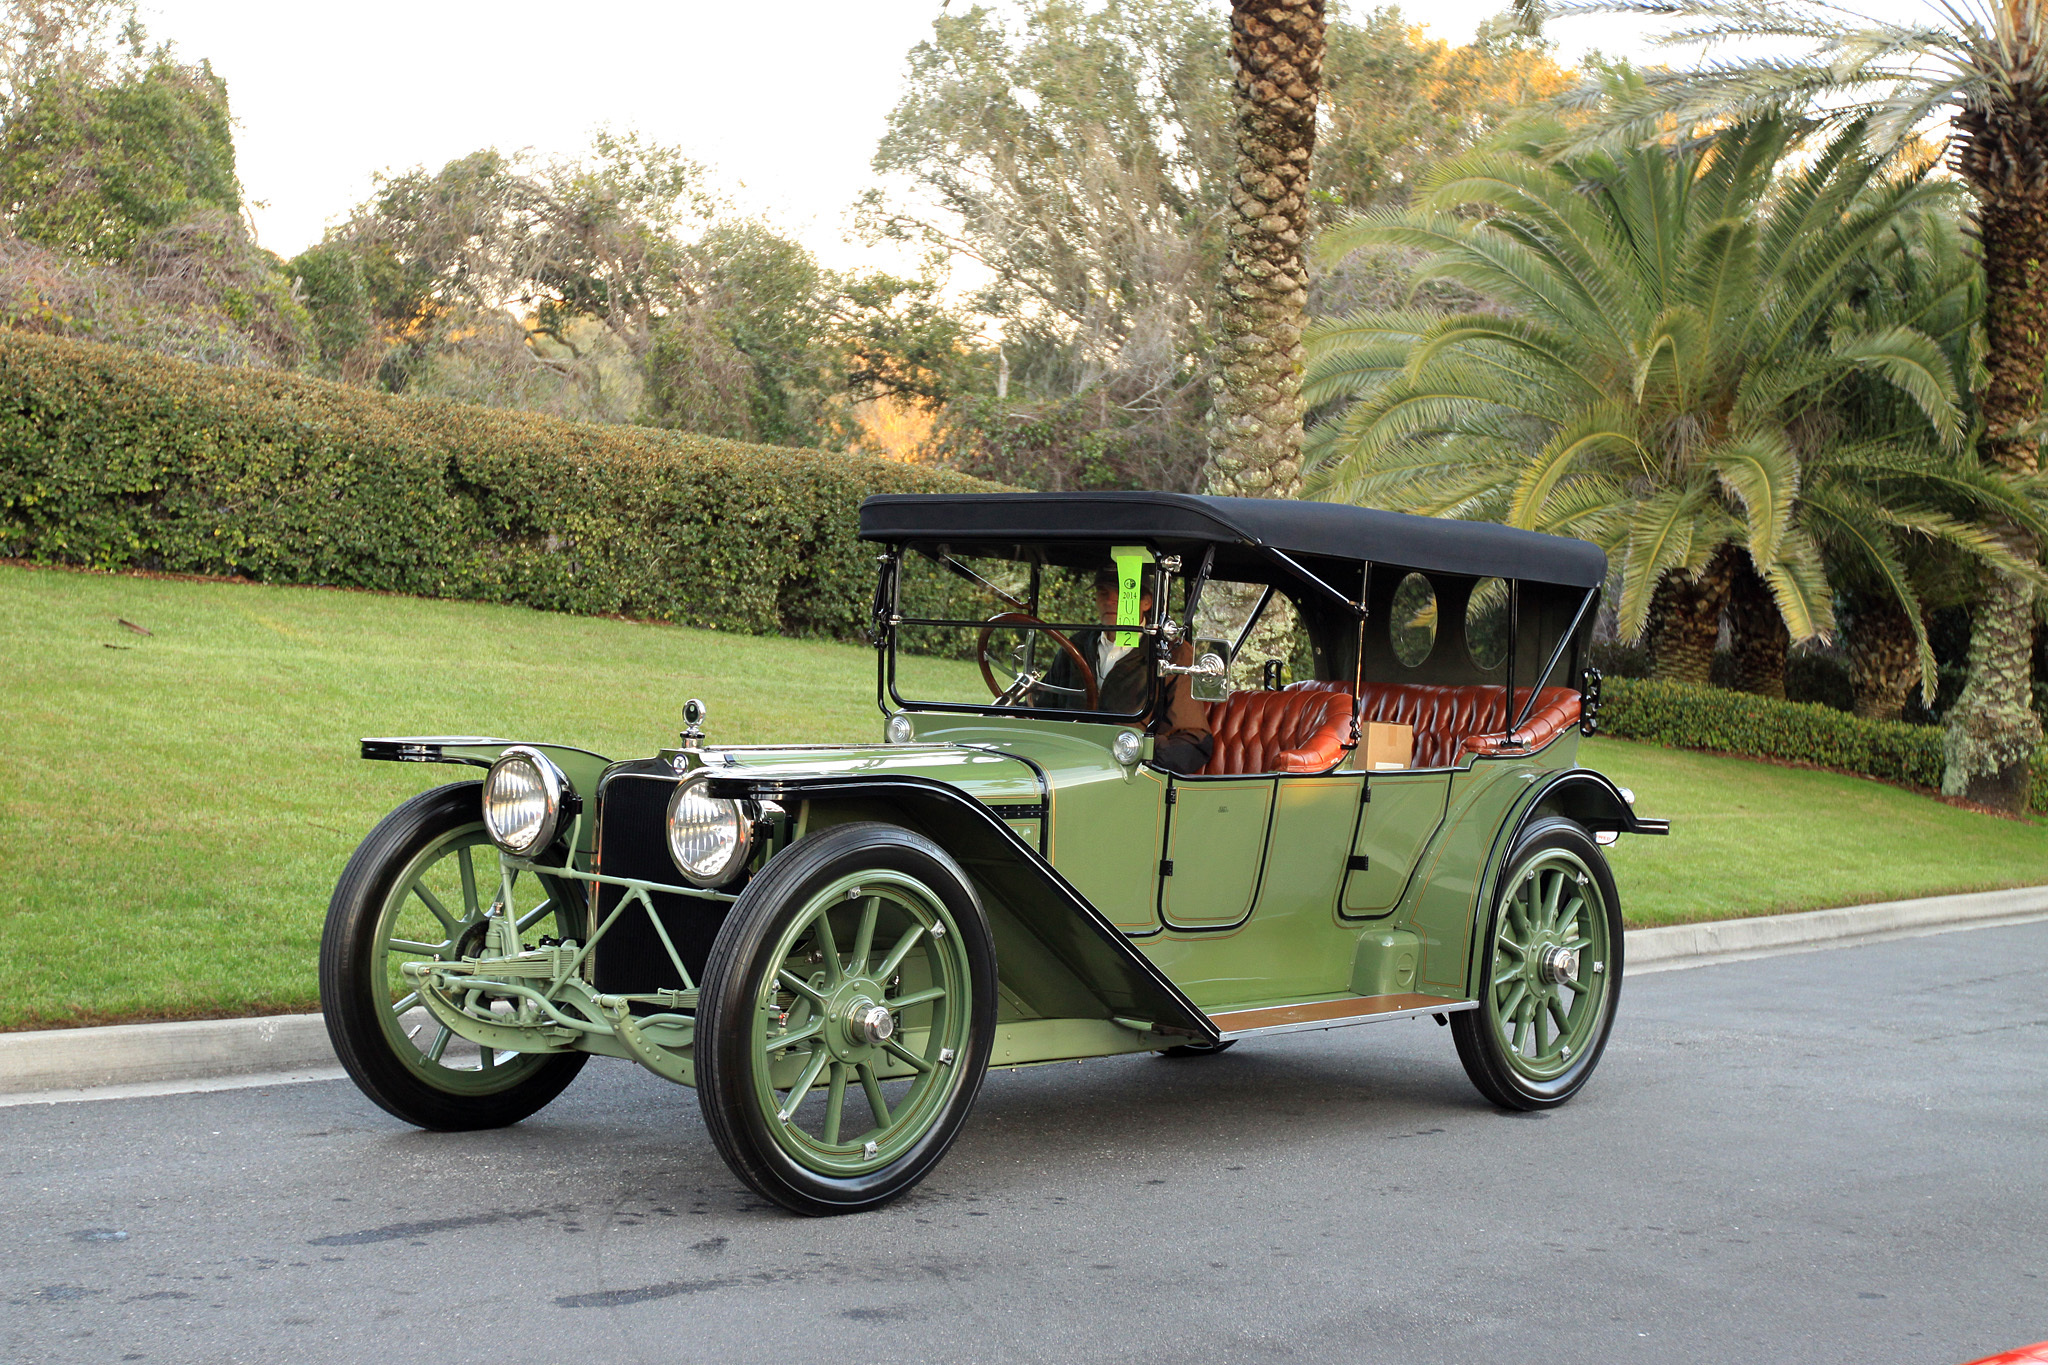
(1050, 629)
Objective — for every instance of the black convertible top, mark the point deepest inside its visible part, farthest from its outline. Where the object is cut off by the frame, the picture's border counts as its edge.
(989, 522)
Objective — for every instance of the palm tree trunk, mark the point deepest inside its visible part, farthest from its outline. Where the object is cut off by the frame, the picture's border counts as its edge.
(1993, 731)
(1685, 620)
(1757, 634)
(1276, 49)
(1884, 660)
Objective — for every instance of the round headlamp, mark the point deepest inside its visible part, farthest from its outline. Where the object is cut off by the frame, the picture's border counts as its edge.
(708, 837)
(523, 795)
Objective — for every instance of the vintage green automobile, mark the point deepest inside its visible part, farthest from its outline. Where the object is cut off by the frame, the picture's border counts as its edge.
(834, 944)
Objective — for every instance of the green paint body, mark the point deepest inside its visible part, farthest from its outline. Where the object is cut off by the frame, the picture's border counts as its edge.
(1245, 892)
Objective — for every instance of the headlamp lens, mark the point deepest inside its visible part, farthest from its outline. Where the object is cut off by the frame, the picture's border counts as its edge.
(708, 837)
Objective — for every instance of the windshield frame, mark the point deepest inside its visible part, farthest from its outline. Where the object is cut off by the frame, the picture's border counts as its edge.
(889, 618)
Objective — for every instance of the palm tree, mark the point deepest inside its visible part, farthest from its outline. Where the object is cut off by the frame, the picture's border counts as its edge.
(1984, 65)
(1659, 334)
(1276, 49)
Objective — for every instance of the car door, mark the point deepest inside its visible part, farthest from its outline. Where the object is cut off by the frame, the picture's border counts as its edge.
(1215, 849)
(1400, 813)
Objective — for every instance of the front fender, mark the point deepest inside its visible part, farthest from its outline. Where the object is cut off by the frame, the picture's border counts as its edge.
(580, 766)
(1054, 949)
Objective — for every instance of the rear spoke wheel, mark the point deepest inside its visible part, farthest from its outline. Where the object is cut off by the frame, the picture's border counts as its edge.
(1550, 974)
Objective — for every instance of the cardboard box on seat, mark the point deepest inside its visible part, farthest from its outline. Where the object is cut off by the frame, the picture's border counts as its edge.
(1382, 746)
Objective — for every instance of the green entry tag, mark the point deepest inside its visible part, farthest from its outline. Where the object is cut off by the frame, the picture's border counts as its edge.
(1130, 563)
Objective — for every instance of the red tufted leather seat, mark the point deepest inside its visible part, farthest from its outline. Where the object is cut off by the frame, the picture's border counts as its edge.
(1293, 730)
(1452, 721)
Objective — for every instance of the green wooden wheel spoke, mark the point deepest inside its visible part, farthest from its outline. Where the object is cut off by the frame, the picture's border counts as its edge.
(440, 1044)
(1557, 1014)
(877, 1105)
(828, 946)
(1511, 1008)
(1552, 896)
(899, 952)
(864, 936)
(535, 915)
(1542, 1026)
(785, 1041)
(440, 911)
(470, 901)
(405, 1003)
(820, 1059)
(904, 1002)
(1506, 975)
(835, 1102)
(906, 1056)
(487, 1057)
(800, 986)
(1512, 946)
(407, 945)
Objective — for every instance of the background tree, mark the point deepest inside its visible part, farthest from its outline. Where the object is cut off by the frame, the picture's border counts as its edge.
(1276, 49)
(1983, 63)
(118, 191)
(1658, 329)
(1082, 155)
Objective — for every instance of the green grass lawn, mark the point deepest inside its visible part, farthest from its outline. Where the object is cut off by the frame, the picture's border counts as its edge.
(175, 808)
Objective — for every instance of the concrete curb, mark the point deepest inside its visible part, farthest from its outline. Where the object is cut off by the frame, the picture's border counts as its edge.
(127, 1060)
(1730, 940)
(141, 1054)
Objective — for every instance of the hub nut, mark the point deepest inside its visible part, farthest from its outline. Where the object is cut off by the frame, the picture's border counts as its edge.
(871, 1023)
(1560, 966)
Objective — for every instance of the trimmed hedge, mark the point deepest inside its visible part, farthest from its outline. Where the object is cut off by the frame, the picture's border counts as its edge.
(113, 458)
(1687, 717)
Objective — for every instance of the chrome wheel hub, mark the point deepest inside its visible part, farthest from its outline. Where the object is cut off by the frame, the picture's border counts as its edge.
(1559, 966)
(870, 1023)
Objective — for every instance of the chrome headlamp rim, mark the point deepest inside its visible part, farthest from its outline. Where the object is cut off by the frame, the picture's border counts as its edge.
(554, 788)
(735, 862)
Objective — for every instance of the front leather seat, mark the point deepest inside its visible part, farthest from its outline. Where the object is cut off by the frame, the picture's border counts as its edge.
(1293, 730)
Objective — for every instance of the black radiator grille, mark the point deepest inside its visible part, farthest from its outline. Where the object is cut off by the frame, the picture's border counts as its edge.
(632, 842)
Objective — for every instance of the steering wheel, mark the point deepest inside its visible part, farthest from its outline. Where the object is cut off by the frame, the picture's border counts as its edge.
(1022, 680)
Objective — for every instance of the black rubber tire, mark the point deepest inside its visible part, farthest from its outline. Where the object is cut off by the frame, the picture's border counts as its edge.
(352, 988)
(1479, 1045)
(1179, 1050)
(731, 978)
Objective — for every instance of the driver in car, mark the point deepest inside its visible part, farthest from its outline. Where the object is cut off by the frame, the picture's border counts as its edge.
(1184, 740)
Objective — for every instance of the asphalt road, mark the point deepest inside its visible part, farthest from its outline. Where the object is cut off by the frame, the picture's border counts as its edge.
(1822, 1157)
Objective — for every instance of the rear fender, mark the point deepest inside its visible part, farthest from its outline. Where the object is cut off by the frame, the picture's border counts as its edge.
(1580, 794)
(1056, 954)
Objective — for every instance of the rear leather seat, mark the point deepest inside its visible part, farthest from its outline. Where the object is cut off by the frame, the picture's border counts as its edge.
(1450, 722)
(1303, 728)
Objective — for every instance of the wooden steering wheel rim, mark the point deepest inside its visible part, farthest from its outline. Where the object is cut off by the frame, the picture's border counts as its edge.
(1018, 618)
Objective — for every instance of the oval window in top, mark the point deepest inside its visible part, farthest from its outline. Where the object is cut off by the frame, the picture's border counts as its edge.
(1413, 620)
(1486, 624)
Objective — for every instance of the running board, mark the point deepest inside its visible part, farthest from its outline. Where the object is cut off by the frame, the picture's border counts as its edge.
(1359, 1009)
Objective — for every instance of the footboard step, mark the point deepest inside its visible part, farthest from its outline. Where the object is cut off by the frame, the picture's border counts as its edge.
(1356, 1009)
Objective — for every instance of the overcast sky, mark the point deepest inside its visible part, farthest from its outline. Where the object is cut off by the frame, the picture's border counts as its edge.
(785, 100)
